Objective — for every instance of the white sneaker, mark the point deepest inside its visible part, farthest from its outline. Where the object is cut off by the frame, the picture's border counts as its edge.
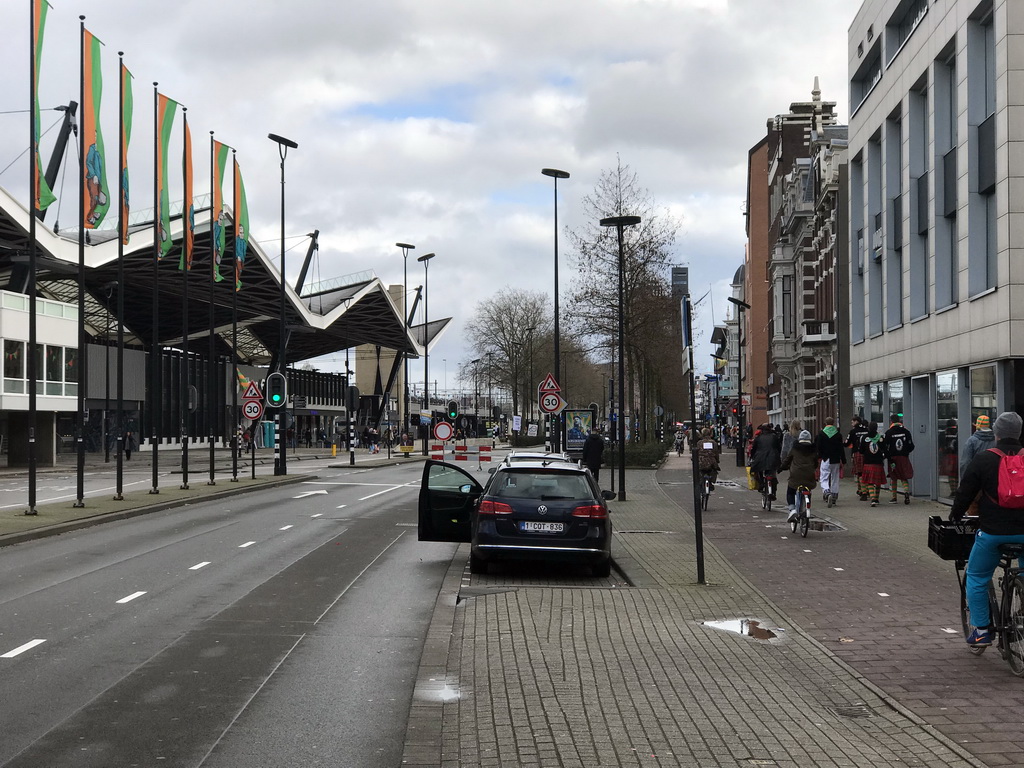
(792, 514)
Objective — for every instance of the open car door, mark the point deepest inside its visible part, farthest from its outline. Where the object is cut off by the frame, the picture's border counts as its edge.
(448, 495)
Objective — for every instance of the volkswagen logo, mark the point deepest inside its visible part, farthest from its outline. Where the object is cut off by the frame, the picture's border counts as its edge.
(543, 509)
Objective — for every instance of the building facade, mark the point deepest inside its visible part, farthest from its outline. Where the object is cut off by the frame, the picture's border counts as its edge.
(936, 149)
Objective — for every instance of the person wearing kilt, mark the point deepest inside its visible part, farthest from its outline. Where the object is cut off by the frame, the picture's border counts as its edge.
(872, 451)
(898, 446)
(857, 432)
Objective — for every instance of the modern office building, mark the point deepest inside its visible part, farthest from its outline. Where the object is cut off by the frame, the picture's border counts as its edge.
(936, 148)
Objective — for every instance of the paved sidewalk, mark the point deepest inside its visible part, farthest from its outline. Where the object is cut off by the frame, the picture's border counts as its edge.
(530, 674)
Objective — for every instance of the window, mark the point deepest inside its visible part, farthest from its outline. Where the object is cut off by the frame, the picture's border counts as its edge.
(868, 74)
(947, 411)
(14, 366)
(904, 21)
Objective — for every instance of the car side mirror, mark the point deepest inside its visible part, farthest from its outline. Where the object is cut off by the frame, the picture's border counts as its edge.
(467, 488)
(607, 495)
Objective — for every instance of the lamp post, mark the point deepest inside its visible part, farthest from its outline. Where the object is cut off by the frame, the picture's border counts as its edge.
(281, 465)
(425, 258)
(619, 222)
(741, 458)
(530, 389)
(718, 384)
(406, 247)
(556, 174)
(476, 393)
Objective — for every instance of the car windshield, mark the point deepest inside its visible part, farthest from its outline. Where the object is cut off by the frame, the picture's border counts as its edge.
(541, 485)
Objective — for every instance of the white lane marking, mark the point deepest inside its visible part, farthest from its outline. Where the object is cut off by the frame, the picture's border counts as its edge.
(357, 577)
(131, 597)
(68, 497)
(807, 550)
(949, 631)
(329, 483)
(342, 506)
(837, 569)
(318, 514)
(286, 528)
(197, 566)
(247, 544)
(883, 594)
(304, 494)
(378, 493)
(22, 648)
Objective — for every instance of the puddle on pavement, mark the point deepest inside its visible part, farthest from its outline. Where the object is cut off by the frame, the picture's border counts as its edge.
(745, 627)
(438, 691)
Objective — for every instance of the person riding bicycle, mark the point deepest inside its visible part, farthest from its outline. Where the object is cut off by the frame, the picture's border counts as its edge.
(680, 437)
(801, 463)
(764, 456)
(996, 525)
(708, 453)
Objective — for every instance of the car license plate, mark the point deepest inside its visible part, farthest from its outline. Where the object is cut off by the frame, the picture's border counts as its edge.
(529, 525)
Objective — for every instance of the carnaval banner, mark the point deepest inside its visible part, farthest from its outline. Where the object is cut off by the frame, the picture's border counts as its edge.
(94, 181)
(127, 107)
(241, 210)
(165, 119)
(220, 159)
(42, 196)
(189, 224)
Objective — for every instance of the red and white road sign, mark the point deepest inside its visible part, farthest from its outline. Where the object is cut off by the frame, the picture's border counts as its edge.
(252, 409)
(252, 392)
(443, 431)
(549, 385)
(552, 402)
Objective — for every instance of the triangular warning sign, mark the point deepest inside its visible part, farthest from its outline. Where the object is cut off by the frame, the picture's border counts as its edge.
(252, 392)
(549, 385)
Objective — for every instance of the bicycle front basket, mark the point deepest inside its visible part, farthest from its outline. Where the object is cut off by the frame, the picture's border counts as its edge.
(950, 540)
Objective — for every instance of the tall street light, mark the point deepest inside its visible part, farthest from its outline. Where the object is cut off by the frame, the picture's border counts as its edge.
(619, 222)
(476, 392)
(530, 390)
(741, 458)
(425, 258)
(556, 174)
(281, 466)
(406, 247)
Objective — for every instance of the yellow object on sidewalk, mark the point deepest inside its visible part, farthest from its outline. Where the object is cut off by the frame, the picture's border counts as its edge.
(751, 480)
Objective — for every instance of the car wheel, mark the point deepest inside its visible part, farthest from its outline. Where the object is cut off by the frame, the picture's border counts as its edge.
(477, 564)
(602, 570)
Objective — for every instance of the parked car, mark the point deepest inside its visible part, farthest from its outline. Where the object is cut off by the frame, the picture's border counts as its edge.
(529, 510)
(517, 455)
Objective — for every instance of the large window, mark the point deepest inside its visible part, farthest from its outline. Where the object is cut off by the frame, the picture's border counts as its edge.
(876, 415)
(56, 369)
(947, 414)
(895, 398)
(983, 393)
(14, 366)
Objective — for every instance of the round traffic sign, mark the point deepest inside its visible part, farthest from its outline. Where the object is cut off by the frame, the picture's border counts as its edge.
(443, 431)
(252, 409)
(549, 402)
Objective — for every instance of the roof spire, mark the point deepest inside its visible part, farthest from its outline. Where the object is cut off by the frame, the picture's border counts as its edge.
(816, 91)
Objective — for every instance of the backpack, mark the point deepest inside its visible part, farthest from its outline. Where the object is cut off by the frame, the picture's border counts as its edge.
(1011, 480)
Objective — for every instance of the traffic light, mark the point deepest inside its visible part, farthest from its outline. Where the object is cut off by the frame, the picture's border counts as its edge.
(453, 409)
(734, 411)
(277, 390)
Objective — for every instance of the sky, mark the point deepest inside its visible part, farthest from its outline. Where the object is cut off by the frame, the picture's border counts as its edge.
(428, 122)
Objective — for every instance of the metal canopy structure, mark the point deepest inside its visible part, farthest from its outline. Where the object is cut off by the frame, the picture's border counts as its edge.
(324, 319)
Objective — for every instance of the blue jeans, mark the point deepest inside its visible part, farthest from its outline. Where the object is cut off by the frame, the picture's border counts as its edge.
(980, 566)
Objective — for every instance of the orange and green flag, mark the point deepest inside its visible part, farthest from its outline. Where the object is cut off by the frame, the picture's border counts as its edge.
(241, 211)
(164, 120)
(94, 179)
(41, 194)
(189, 224)
(219, 239)
(127, 107)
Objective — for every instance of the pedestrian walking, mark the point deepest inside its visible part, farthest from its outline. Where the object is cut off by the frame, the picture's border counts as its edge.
(829, 445)
(899, 444)
(795, 428)
(982, 439)
(997, 525)
(593, 454)
(857, 432)
(129, 440)
(801, 462)
(872, 450)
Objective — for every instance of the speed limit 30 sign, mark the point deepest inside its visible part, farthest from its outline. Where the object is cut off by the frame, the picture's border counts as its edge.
(552, 402)
(252, 409)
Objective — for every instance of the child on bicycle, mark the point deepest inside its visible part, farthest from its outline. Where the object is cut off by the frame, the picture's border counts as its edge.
(708, 453)
(801, 462)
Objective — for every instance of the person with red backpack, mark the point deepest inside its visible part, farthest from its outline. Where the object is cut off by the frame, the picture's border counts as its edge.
(996, 477)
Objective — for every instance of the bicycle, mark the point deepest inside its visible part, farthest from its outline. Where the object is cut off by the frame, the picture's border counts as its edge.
(952, 540)
(802, 520)
(768, 485)
(706, 490)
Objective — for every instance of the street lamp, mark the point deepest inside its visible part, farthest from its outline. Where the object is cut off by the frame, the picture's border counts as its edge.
(281, 465)
(425, 258)
(406, 247)
(740, 449)
(619, 222)
(476, 392)
(529, 387)
(556, 174)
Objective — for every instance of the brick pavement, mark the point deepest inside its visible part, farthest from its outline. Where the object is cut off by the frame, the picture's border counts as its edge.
(584, 672)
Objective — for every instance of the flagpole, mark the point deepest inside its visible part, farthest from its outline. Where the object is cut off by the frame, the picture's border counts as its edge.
(153, 396)
(211, 410)
(33, 207)
(122, 231)
(235, 426)
(82, 381)
(186, 245)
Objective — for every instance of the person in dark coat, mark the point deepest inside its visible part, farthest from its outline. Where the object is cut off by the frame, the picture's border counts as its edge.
(872, 449)
(801, 462)
(857, 431)
(996, 525)
(899, 444)
(829, 445)
(764, 456)
(593, 453)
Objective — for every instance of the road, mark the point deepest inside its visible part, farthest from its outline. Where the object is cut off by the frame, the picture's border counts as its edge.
(283, 628)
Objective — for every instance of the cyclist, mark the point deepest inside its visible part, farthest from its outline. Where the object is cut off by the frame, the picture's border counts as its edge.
(801, 463)
(996, 525)
(680, 436)
(764, 455)
(708, 453)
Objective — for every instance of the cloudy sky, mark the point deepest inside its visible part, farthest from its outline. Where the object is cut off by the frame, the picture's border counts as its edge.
(428, 121)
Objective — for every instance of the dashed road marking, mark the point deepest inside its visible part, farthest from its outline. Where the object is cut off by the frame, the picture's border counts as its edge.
(247, 544)
(883, 594)
(22, 648)
(318, 514)
(838, 569)
(197, 566)
(286, 528)
(132, 596)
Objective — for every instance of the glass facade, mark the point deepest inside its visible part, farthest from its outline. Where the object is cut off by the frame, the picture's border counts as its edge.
(983, 393)
(895, 400)
(876, 414)
(947, 418)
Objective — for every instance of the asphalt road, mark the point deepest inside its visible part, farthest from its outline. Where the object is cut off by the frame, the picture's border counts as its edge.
(280, 628)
